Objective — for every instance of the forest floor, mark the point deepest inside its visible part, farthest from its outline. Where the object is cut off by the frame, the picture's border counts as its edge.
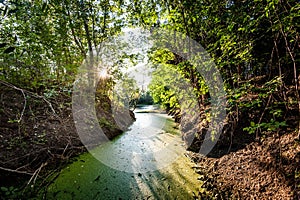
(38, 137)
(261, 165)
(265, 169)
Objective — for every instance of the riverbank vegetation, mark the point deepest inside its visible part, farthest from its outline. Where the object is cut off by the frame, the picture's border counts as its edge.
(254, 45)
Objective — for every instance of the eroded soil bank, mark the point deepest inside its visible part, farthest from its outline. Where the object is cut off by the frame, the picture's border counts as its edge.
(265, 169)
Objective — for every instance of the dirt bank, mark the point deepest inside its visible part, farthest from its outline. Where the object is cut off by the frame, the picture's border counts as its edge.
(265, 169)
(38, 136)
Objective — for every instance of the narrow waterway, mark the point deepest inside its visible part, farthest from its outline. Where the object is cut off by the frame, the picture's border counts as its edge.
(145, 162)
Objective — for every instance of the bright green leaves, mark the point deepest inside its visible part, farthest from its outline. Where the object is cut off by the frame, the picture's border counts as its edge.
(270, 118)
(44, 42)
(163, 78)
(143, 13)
(270, 126)
(162, 56)
(270, 7)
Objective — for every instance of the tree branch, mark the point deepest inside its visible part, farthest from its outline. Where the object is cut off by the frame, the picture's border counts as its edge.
(15, 171)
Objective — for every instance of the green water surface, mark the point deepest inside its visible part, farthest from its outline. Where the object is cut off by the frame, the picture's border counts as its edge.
(125, 167)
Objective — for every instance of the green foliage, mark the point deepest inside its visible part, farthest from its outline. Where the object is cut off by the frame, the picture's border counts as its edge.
(248, 98)
(161, 87)
(42, 43)
(126, 92)
(10, 192)
(16, 142)
(103, 122)
(145, 99)
(265, 126)
(13, 121)
(40, 138)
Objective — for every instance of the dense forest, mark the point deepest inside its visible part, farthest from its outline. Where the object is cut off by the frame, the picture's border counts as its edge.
(254, 45)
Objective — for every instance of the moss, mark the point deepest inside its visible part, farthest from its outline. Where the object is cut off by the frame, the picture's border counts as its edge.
(103, 122)
(171, 127)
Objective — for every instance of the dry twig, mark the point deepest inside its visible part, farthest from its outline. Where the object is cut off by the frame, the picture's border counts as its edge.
(35, 174)
(15, 171)
(28, 92)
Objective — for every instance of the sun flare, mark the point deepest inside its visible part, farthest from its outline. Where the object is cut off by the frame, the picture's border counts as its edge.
(103, 74)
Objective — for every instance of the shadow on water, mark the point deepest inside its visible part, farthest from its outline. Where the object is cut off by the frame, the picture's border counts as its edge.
(88, 178)
(172, 182)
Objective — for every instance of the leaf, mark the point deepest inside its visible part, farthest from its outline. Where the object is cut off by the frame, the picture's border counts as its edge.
(267, 13)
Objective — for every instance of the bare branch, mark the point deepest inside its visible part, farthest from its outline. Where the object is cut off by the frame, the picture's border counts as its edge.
(15, 171)
(31, 93)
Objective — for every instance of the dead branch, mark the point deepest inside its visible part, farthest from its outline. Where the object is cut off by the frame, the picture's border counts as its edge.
(31, 93)
(263, 113)
(19, 89)
(35, 174)
(24, 156)
(15, 171)
(24, 107)
(65, 150)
